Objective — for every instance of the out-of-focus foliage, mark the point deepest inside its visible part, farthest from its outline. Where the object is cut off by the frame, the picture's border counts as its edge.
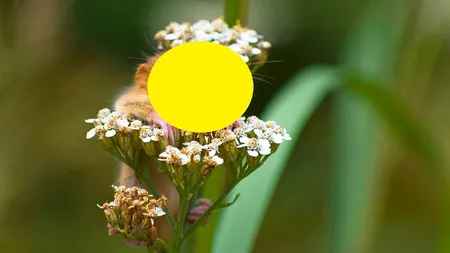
(61, 61)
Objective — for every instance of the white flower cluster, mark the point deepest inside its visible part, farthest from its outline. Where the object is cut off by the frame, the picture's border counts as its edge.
(108, 124)
(192, 152)
(246, 42)
(257, 136)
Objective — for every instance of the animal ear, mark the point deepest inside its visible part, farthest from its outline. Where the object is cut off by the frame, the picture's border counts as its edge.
(143, 71)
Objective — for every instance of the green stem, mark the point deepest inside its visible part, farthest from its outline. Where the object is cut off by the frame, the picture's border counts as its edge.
(236, 11)
(178, 240)
(208, 213)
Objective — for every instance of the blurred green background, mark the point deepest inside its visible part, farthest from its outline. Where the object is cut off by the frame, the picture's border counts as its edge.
(350, 180)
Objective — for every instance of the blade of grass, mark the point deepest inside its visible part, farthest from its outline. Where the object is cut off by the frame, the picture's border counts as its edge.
(356, 192)
(400, 120)
(360, 184)
(239, 225)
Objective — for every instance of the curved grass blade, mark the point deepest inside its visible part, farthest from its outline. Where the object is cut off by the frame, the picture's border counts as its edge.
(239, 225)
(357, 191)
(409, 131)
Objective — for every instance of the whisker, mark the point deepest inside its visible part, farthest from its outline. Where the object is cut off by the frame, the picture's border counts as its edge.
(150, 43)
(264, 76)
(255, 63)
(144, 54)
(136, 58)
(263, 80)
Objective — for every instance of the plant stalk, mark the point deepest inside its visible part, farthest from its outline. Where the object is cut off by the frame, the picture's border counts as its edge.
(179, 236)
(236, 12)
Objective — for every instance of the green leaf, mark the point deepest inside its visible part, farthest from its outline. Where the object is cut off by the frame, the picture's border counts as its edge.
(239, 225)
(356, 193)
(358, 176)
(400, 120)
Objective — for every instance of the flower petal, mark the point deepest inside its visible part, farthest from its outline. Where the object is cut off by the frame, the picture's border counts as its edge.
(217, 159)
(252, 153)
(263, 143)
(258, 132)
(277, 138)
(265, 151)
(146, 139)
(91, 133)
(110, 133)
(244, 139)
(89, 120)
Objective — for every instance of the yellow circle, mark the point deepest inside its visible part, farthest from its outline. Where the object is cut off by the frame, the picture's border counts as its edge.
(200, 86)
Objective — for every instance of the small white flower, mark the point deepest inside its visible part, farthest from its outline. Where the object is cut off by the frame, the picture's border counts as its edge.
(219, 25)
(254, 123)
(157, 133)
(203, 26)
(194, 150)
(159, 211)
(271, 124)
(213, 147)
(240, 135)
(226, 37)
(173, 155)
(182, 28)
(245, 58)
(256, 51)
(255, 146)
(122, 122)
(202, 36)
(250, 36)
(277, 138)
(136, 124)
(176, 43)
(146, 134)
(283, 133)
(159, 36)
(264, 45)
(244, 139)
(172, 36)
(217, 160)
(236, 48)
(103, 113)
(269, 135)
(215, 35)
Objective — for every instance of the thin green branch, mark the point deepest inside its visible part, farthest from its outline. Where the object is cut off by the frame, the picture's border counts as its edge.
(217, 204)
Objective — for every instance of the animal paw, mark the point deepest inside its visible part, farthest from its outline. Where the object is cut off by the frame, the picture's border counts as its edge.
(169, 131)
(200, 209)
